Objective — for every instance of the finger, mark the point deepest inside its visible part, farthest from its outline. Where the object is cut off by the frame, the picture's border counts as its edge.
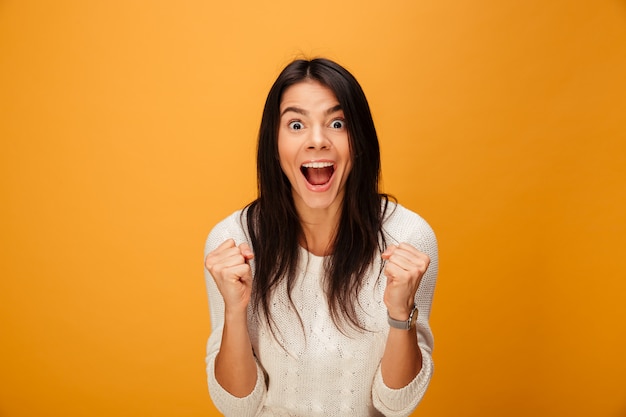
(409, 261)
(408, 256)
(395, 273)
(400, 258)
(410, 271)
(398, 269)
(228, 243)
(240, 272)
(409, 248)
(224, 258)
(216, 253)
(230, 257)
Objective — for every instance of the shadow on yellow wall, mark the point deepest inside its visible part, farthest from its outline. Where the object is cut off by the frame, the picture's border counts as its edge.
(128, 130)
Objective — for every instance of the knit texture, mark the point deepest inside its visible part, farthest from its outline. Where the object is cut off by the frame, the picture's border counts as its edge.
(318, 370)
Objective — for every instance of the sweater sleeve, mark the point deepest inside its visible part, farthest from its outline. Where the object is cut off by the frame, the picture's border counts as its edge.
(225, 402)
(402, 402)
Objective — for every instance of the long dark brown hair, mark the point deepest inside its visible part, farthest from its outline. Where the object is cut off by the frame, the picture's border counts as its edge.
(273, 223)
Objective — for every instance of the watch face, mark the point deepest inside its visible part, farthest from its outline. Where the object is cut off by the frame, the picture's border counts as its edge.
(413, 317)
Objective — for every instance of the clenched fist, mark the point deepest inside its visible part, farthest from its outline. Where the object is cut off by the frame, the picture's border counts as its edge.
(229, 267)
(404, 270)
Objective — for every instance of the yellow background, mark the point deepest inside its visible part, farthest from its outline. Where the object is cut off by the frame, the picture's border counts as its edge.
(128, 130)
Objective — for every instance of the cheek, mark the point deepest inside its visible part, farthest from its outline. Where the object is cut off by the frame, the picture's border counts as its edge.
(349, 161)
(346, 154)
(285, 168)
(285, 157)
(349, 167)
(280, 145)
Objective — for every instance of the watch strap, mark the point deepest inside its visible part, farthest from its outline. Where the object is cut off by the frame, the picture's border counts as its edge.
(403, 324)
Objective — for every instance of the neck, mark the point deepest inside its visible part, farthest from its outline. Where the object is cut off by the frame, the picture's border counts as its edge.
(319, 227)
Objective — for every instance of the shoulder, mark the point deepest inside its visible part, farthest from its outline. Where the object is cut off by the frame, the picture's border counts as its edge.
(231, 227)
(403, 225)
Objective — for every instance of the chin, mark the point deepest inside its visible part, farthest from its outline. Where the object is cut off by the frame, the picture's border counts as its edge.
(320, 202)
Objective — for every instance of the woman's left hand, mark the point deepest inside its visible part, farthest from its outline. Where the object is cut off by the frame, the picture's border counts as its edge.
(404, 271)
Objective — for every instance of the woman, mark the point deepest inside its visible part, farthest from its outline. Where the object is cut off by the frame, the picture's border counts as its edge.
(320, 289)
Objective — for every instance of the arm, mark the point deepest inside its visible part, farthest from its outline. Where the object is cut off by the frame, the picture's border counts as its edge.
(236, 381)
(402, 359)
(235, 367)
(406, 366)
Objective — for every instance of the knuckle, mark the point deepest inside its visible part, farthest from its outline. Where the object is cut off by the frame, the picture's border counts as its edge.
(217, 269)
(209, 265)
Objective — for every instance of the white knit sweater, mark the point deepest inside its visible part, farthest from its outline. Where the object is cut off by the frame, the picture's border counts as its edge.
(320, 371)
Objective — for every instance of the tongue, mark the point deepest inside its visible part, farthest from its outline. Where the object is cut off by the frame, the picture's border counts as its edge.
(319, 176)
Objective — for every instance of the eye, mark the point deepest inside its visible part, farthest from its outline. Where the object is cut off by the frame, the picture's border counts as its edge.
(338, 124)
(295, 125)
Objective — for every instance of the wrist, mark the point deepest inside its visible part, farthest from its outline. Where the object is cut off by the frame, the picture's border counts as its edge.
(404, 321)
(400, 312)
(235, 315)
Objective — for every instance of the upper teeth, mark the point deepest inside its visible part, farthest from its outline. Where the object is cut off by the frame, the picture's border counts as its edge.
(317, 164)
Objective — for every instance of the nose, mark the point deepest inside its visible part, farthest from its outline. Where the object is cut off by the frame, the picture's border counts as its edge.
(318, 139)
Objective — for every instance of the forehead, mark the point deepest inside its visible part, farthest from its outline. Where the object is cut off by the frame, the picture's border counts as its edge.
(308, 95)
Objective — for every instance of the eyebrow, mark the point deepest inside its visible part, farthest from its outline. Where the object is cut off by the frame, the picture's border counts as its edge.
(306, 113)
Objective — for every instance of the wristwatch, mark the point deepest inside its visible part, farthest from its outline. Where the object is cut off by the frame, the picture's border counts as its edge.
(406, 324)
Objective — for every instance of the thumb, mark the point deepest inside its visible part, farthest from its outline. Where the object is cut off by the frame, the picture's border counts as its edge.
(388, 251)
(246, 251)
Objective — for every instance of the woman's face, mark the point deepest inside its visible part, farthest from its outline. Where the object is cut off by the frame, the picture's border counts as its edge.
(313, 146)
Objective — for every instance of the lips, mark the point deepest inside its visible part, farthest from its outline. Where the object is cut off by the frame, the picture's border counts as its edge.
(318, 173)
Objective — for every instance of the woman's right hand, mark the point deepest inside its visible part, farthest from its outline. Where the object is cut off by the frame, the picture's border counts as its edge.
(229, 267)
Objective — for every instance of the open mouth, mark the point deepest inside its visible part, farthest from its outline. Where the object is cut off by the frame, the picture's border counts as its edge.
(318, 173)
